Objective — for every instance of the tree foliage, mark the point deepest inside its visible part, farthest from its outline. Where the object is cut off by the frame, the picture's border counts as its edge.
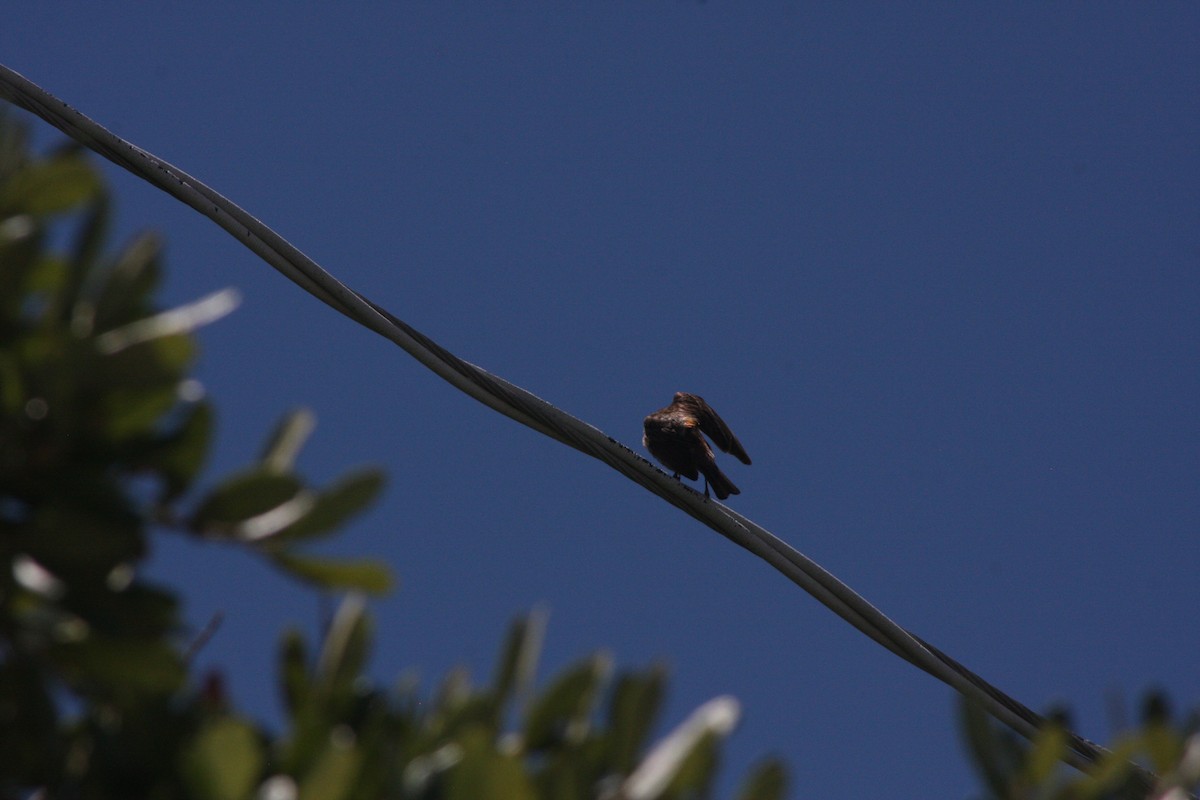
(103, 434)
(1014, 769)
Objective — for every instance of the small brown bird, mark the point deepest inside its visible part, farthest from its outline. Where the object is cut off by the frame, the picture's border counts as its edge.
(672, 435)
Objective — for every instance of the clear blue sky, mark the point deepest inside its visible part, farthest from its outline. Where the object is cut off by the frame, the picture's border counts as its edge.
(938, 266)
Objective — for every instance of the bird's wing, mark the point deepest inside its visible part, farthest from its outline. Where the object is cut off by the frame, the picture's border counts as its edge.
(715, 428)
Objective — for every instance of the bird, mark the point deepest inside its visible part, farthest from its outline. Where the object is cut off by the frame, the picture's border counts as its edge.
(673, 436)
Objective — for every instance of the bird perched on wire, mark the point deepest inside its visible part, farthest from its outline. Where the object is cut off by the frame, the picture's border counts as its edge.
(672, 435)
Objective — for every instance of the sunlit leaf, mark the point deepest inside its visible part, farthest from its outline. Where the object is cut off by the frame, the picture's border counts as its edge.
(1162, 744)
(344, 650)
(46, 275)
(243, 496)
(363, 575)
(1045, 754)
(181, 320)
(224, 761)
(686, 758)
(50, 186)
(130, 413)
(286, 440)
(695, 772)
(484, 774)
(333, 506)
(332, 776)
(1111, 771)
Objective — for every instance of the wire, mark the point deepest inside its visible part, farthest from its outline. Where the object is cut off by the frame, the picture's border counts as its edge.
(530, 410)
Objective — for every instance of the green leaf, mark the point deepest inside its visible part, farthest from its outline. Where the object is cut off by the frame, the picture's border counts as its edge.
(29, 738)
(484, 774)
(224, 761)
(1163, 745)
(175, 323)
(293, 671)
(634, 707)
(345, 648)
(518, 658)
(151, 364)
(767, 782)
(124, 294)
(685, 761)
(46, 275)
(1111, 771)
(332, 776)
(93, 230)
(135, 413)
(138, 611)
(694, 774)
(121, 665)
(21, 243)
(333, 506)
(1045, 754)
(13, 395)
(286, 440)
(180, 455)
(51, 186)
(997, 754)
(364, 575)
(81, 536)
(241, 497)
(563, 710)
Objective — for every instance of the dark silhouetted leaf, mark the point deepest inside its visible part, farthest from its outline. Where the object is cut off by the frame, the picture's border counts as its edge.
(768, 781)
(293, 670)
(92, 233)
(29, 737)
(121, 665)
(561, 713)
(81, 538)
(518, 658)
(996, 753)
(124, 295)
(633, 710)
(179, 456)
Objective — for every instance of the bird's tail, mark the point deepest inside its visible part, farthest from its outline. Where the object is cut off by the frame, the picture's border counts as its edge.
(722, 487)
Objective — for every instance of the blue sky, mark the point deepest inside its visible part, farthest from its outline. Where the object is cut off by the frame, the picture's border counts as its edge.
(938, 266)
